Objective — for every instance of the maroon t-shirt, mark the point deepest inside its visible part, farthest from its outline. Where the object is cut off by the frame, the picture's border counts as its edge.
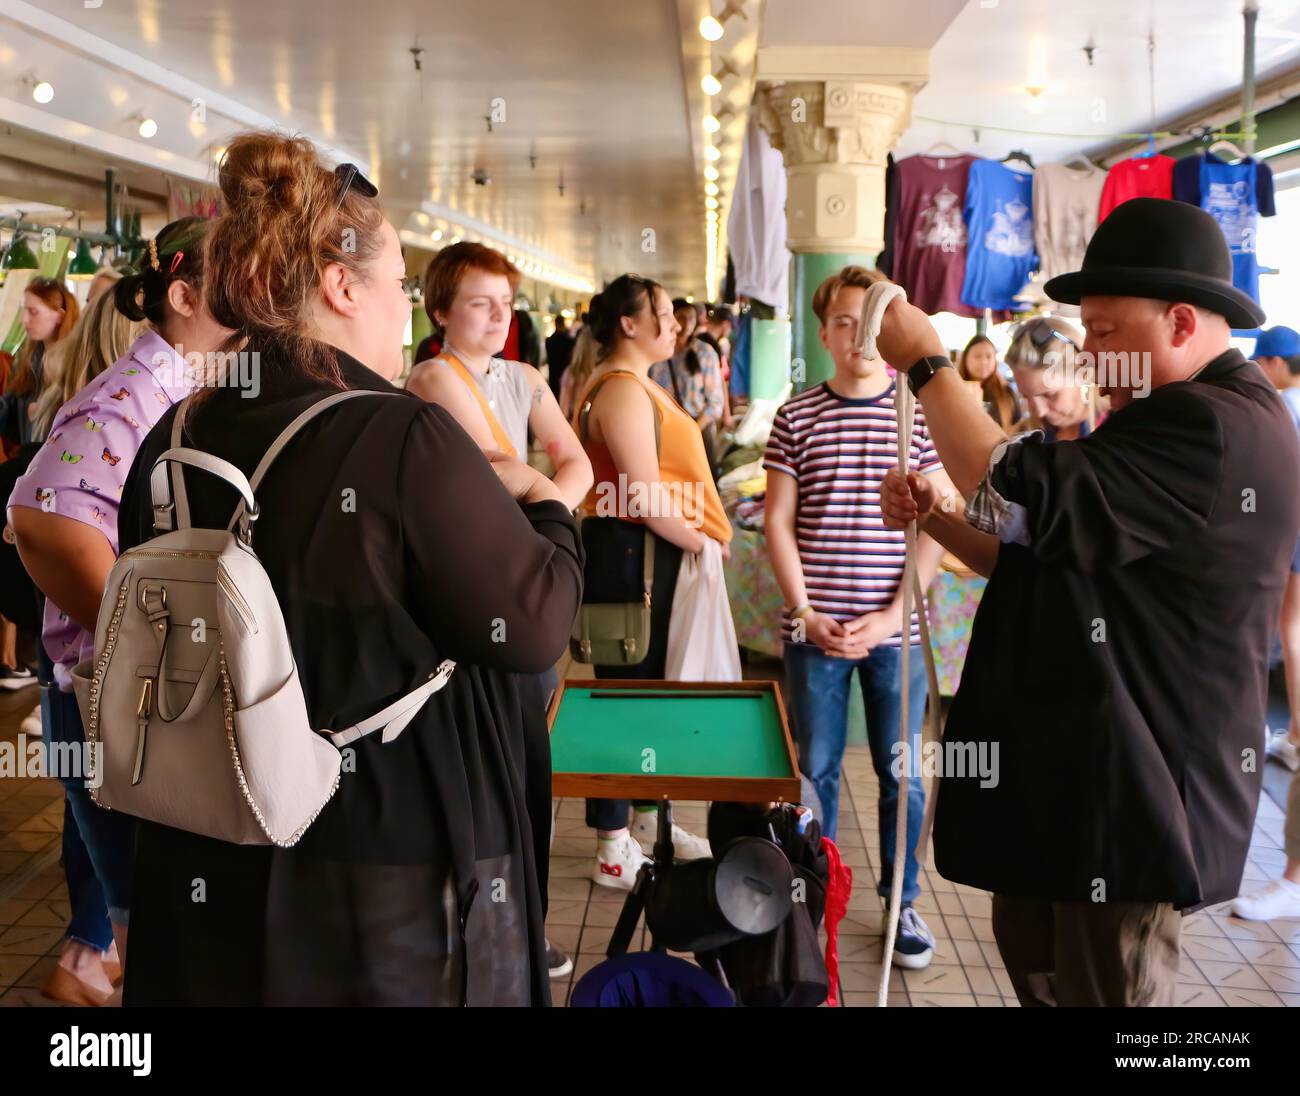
(929, 193)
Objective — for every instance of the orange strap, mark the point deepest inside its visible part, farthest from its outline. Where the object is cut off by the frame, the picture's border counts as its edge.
(498, 432)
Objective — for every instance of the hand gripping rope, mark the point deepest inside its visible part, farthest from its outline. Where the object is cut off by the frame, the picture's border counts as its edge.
(877, 299)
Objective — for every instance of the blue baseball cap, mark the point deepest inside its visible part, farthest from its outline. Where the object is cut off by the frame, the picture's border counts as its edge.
(1277, 342)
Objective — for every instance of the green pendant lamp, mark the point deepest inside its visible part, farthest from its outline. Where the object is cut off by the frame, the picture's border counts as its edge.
(19, 256)
(83, 265)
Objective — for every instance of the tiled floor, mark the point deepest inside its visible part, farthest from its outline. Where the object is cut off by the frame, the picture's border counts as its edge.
(1225, 961)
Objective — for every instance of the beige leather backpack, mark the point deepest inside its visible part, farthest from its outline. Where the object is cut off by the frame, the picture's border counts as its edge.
(193, 711)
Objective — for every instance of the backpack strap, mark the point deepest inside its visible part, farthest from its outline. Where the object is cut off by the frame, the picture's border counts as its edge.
(167, 484)
(245, 514)
(393, 719)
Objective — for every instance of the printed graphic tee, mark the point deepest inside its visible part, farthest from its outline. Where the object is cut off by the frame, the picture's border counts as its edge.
(1067, 199)
(1235, 195)
(1000, 253)
(927, 195)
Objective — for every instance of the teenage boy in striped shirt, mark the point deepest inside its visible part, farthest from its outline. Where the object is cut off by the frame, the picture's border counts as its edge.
(840, 571)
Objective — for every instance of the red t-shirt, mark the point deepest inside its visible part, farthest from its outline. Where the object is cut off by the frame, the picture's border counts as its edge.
(1140, 177)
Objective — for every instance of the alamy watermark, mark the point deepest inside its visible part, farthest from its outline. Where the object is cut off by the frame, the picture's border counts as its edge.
(651, 500)
(210, 369)
(1110, 369)
(948, 759)
(36, 758)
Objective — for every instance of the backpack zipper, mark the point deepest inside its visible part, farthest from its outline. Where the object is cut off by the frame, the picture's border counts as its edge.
(174, 553)
(237, 600)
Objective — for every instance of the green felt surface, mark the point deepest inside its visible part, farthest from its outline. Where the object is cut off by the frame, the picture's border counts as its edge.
(690, 736)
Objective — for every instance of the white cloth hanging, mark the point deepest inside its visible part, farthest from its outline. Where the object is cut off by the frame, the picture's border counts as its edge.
(756, 226)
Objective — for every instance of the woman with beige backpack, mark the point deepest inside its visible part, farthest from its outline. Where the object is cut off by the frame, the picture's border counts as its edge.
(378, 527)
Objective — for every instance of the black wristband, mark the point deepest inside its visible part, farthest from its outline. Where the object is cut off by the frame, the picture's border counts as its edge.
(919, 375)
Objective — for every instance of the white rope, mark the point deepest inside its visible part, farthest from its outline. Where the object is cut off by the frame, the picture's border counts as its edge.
(877, 299)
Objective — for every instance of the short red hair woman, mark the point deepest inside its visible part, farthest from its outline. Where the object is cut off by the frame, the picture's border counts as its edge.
(469, 291)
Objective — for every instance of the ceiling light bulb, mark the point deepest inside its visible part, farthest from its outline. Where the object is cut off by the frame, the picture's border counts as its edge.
(711, 189)
(710, 29)
(148, 128)
(712, 152)
(711, 203)
(711, 173)
(711, 84)
(437, 235)
(43, 92)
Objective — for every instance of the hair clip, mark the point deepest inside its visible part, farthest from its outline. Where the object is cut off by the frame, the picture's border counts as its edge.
(176, 261)
(153, 256)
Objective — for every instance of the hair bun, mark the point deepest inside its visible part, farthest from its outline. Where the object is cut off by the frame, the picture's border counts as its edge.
(256, 170)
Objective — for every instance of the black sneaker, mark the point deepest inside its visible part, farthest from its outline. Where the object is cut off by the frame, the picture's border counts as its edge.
(558, 965)
(16, 679)
(913, 945)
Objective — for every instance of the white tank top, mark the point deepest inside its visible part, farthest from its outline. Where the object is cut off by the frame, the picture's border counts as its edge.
(505, 387)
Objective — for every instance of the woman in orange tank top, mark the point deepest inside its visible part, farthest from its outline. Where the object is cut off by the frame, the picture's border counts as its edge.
(670, 491)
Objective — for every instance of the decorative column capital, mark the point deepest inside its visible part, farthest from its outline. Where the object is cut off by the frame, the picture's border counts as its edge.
(835, 135)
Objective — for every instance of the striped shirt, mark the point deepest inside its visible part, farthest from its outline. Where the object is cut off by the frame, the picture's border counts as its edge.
(838, 450)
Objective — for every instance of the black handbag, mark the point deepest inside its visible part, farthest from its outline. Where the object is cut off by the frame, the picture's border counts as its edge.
(613, 624)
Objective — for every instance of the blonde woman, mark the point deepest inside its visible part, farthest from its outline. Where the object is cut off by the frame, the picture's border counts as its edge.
(586, 353)
(101, 336)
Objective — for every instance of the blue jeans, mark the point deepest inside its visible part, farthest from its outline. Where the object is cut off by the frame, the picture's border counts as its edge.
(817, 686)
(98, 846)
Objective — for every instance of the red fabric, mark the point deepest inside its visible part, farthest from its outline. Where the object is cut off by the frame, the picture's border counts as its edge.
(839, 887)
(510, 352)
(1140, 177)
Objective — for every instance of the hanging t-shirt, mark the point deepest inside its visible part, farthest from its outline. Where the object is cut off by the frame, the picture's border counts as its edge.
(1066, 201)
(1228, 194)
(1139, 177)
(1000, 251)
(1236, 195)
(928, 251)
(1187, 181)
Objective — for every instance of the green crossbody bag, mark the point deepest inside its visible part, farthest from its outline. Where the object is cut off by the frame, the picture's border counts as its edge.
(613, 625)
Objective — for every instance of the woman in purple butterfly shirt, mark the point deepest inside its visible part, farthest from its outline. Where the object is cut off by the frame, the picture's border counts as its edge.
(64, 516)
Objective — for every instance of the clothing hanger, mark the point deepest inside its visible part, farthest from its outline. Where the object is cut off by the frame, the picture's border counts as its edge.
(936, 149)
(1229, 146)
(1150, 150)
(1021, 155)
(1080, 159)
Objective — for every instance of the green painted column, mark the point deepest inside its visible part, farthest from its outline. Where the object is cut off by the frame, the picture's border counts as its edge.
(810, 269)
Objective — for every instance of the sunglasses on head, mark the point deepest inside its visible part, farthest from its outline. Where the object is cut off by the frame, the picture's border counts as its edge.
(1041, 332)
(348, 176)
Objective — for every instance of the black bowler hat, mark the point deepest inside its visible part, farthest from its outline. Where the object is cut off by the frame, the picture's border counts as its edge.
(1165, 250)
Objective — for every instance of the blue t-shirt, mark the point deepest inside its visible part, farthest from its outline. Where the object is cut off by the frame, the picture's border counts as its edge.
(1000, 251)
(1230, 194)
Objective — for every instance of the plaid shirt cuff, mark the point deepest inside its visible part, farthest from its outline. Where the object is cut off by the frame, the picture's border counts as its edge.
(989, 512)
